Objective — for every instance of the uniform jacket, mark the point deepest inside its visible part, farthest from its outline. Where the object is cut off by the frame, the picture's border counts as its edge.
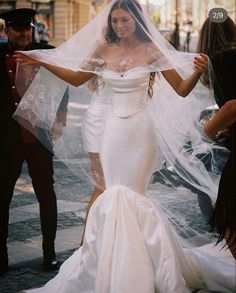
(9, 128)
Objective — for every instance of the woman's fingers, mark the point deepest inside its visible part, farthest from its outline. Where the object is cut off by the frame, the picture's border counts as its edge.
(20, 58)
(25, 60)
(201, 62)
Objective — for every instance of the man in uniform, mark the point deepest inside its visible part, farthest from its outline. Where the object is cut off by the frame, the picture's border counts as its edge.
(19, 145)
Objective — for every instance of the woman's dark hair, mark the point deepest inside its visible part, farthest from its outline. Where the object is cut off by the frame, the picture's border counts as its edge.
(134, 8)
(215, 38)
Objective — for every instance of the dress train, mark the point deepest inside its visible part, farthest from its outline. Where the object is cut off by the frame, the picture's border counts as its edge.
(129, 246)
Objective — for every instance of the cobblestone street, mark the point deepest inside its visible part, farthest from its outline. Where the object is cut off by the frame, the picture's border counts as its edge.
(24, 243)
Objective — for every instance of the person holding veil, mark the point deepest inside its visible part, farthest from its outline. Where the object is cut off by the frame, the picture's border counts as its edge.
(222, 53)
(129, 243)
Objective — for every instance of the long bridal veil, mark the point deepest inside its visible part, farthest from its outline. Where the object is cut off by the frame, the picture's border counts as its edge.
(185, 181)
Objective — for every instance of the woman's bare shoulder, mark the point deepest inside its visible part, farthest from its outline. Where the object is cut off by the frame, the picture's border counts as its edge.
(151, 46)
(154, 51)
(101, 48)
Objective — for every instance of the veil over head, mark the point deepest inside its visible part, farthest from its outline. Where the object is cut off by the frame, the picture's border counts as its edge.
(187, 172)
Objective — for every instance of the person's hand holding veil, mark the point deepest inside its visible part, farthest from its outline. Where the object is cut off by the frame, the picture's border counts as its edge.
(25, 60)
(56, 130)
(201, 62)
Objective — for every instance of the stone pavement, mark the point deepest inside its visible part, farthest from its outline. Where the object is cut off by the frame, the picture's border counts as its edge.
(24, 243)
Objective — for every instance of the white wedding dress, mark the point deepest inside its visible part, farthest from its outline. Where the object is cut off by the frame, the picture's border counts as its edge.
(129, 244)
(94, 120)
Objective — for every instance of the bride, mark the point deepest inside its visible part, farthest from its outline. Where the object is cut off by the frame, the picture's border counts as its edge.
(129, 245)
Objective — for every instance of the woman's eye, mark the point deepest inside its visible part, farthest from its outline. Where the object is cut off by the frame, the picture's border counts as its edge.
(116, 21)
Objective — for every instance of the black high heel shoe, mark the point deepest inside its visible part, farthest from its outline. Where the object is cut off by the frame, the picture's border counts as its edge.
(50, 261)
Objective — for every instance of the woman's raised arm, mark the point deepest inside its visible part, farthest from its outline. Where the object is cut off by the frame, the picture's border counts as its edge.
(76, 78)
(184, 86)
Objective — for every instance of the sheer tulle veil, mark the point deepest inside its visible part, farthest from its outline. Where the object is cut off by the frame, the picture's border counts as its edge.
(187, 172)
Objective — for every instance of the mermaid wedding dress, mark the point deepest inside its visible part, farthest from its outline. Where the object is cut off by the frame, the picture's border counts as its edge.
(129, 244)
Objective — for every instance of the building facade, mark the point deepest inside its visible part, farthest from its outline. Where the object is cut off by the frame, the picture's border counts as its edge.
(194, 11)
(64, 17)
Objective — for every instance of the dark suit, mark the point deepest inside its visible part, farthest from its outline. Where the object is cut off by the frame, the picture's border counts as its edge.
(17, 146)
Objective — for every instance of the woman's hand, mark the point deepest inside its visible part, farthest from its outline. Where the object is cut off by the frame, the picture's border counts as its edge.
(56, 131)
(201, 62)
(25, 60)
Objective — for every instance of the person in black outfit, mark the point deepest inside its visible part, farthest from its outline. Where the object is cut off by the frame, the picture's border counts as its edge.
(19, 145)
(218, 41)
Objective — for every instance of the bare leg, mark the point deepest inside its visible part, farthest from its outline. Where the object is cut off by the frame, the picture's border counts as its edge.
(96, 169)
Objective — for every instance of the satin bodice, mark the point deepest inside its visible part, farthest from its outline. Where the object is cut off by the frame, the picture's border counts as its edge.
(128, 95)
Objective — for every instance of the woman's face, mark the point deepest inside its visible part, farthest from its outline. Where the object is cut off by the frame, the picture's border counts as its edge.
(122, 23)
